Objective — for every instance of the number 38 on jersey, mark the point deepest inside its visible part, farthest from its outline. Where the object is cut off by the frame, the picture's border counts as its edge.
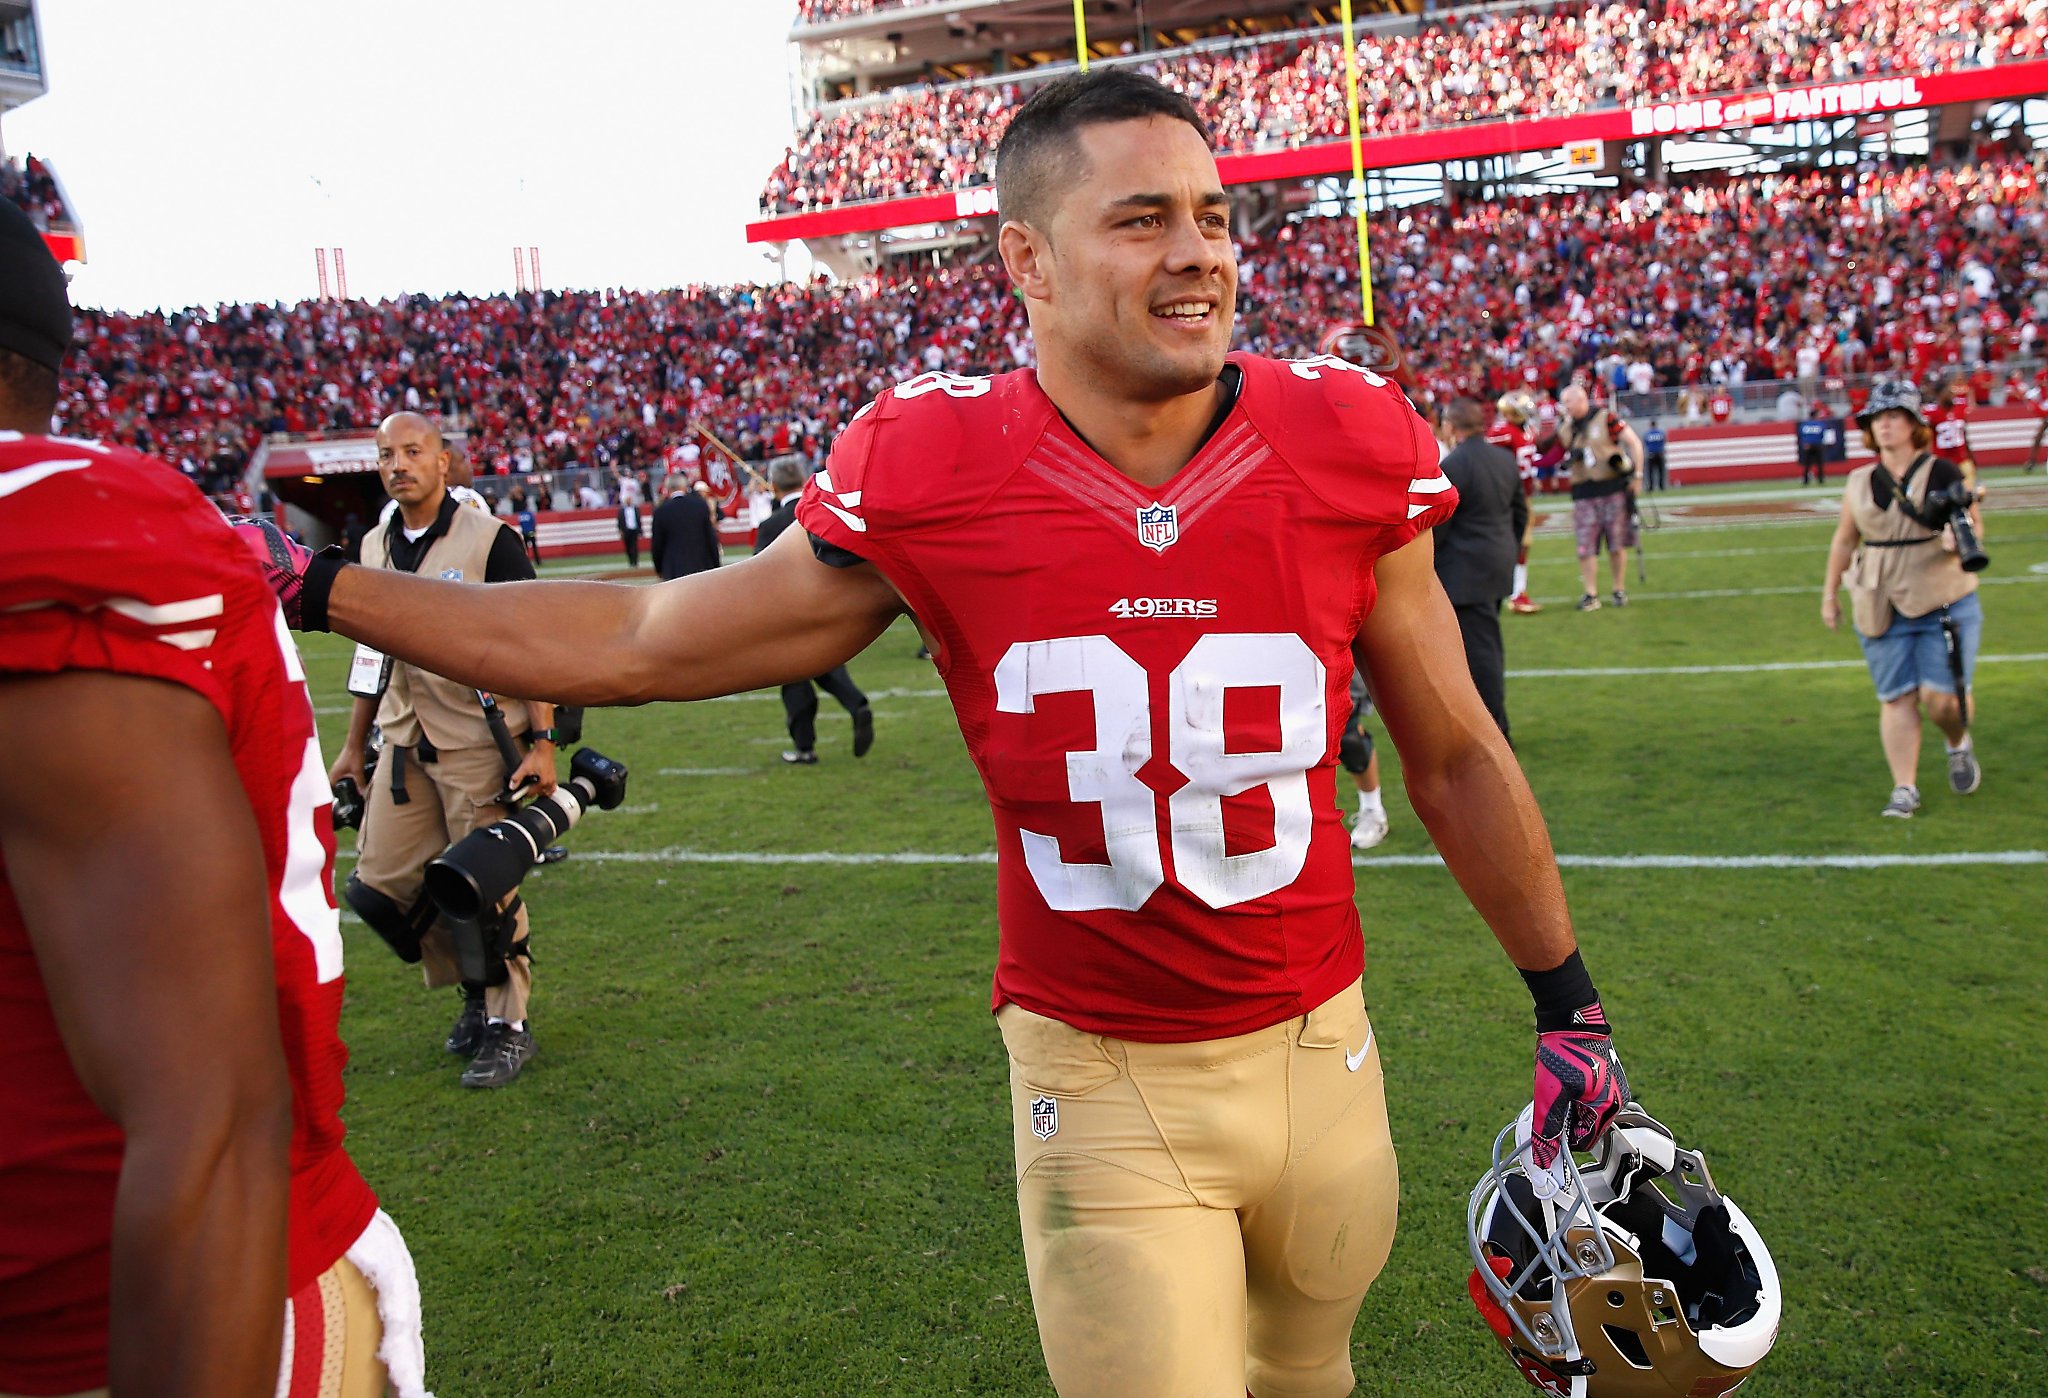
(1104, 784)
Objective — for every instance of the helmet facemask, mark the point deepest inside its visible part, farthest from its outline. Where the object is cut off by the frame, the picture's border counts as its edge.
(1627, 1274)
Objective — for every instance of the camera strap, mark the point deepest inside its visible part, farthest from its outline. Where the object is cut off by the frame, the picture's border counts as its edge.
(398, 792)
(1952, 638)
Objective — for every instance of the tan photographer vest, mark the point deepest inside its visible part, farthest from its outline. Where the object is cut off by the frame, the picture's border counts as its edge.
(1589, 444)
(1909, 571)
(416, 701)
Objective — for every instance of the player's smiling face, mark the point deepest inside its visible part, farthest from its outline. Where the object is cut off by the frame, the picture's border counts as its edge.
(1142, 278)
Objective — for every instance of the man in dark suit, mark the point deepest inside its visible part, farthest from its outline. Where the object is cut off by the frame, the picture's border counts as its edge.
(800, 700)
(685, 535)
(1476, 547)
(629, 530)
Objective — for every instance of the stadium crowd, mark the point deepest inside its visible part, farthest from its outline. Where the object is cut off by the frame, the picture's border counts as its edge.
(1466, 67)
(1780, 276)
(825, 11)
(1800, 277)
(30, 186)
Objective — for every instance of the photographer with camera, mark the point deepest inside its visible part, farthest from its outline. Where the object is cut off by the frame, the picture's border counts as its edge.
(448, 766)
(1907, 546)
(1605, 458)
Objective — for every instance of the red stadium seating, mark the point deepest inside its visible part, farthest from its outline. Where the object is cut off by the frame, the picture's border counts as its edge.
(1475, 66)
(1877, 268)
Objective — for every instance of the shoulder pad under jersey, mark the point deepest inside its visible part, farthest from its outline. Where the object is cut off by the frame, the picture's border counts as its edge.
(1352, 436)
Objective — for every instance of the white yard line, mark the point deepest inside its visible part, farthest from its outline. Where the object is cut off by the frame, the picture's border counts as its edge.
(1560, 599)
(1583, 672)
(1704, 862)
(2032, 658)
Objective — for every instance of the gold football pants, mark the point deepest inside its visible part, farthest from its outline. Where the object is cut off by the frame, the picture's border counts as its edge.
(1202, 1218)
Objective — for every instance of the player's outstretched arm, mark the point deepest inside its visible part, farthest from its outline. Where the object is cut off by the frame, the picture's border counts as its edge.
(138, 868)
(773, 618)
(1459, 771)
(1477, 806)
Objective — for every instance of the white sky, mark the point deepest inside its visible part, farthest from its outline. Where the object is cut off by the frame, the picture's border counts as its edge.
(209, 147)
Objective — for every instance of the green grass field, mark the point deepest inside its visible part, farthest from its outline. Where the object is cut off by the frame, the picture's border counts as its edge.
(765, 1150)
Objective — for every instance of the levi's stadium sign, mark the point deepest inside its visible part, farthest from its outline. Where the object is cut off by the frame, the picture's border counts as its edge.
(1776, 108)
(1472, 139)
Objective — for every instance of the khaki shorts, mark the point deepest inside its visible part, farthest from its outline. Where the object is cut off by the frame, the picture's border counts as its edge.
(1202, 1218)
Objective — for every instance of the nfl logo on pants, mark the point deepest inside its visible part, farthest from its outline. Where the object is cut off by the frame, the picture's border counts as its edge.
(1045, 1117)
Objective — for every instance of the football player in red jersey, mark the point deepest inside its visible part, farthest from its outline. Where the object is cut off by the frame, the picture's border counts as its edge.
(177, 1213)
(1146, 569)
(1510, 431)
(1948, 413)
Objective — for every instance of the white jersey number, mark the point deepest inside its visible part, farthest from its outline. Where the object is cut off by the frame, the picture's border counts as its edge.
(1107, 774)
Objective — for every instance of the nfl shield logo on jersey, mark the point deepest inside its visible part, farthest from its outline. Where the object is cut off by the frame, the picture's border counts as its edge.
(1158, 526)
(1045, 1117)
(451, 575)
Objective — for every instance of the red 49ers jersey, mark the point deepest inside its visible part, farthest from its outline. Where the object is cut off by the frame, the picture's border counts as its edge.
(111, 561)
(1152, 682)
(1950, 419)
(1506, 434)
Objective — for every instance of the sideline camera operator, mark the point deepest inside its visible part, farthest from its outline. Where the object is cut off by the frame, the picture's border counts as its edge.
(1606, 459)
(1907, 546)
(443, 769)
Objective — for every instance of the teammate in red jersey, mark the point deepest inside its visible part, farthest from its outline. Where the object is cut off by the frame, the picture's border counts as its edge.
(2036, 395)
(1146, 570)
(1948, 413)
(175, 1200)
(1509, 430)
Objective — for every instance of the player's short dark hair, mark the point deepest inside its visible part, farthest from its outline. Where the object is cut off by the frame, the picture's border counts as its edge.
(27, 389)
(1035, 159)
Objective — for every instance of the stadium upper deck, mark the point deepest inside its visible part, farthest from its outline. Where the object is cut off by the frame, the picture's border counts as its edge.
(1480, 81)
(32, 183)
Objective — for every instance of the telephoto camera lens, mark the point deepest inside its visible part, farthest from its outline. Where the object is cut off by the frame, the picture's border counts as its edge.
(476, 873)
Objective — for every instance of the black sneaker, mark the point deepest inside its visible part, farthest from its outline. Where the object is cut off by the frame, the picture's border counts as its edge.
(1620, 597)
(499, 1058)
(468, 1033)
(1588, 603)
(806, 758)
(863, 731)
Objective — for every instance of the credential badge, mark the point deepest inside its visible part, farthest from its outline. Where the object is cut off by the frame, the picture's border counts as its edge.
(1045, 1118)
(1158, 526)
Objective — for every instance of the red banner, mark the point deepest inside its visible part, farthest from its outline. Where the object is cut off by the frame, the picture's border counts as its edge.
(1478, 138)
(65, 247)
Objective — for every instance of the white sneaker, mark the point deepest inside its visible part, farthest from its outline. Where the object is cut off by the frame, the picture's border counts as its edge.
(1369, 830)
(1905, 800)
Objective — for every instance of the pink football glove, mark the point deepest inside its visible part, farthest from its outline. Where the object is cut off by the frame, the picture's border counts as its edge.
(299, 577)
(1579, 1086)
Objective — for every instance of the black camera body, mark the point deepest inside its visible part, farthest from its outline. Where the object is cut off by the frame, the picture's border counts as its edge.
(1950, 506)
(472, 876)
(1619, 463)
(351, 800)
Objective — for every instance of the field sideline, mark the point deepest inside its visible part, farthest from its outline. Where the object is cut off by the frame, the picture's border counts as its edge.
(764, 1150)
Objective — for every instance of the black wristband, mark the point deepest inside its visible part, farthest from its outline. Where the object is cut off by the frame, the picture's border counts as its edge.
(1560, 993)
(317, 583)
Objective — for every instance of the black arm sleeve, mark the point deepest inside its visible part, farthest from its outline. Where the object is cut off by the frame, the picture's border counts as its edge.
(508, 561)
(833, 556)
